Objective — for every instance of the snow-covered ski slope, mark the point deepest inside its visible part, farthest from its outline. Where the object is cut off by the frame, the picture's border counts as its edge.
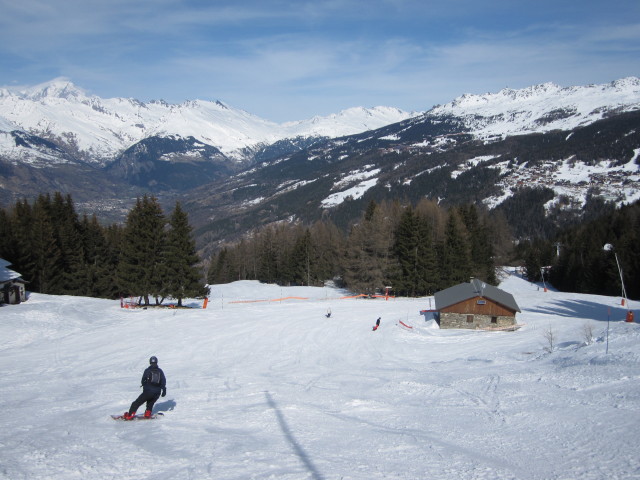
(275, 390)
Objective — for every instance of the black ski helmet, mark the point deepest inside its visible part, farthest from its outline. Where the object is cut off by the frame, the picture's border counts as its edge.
(153, 361)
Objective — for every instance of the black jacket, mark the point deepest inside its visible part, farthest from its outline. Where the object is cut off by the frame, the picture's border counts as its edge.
(146, 376)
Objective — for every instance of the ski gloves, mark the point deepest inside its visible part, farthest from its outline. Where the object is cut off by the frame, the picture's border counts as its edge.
(164, 392)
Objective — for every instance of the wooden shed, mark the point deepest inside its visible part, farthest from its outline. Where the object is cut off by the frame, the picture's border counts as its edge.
(12, 286)
(475, 305)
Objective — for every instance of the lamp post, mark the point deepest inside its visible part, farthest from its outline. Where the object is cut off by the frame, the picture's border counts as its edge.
(608, 247)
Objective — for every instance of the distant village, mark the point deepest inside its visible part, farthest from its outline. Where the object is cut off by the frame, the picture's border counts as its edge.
(573, 180)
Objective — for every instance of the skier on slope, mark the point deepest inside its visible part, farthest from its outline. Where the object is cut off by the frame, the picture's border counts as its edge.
(153, 387)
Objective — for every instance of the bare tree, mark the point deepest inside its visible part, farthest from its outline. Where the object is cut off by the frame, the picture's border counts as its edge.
(587, 333)
(550, 339)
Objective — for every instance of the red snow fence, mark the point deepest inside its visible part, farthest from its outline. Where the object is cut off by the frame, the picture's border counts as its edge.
(402, 324)
(288, 298)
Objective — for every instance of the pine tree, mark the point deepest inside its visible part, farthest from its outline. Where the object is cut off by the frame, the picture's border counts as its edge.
(427, 259)
(417, 272)
(300, 259)
(101, 246)
(7, 237)
(481, 249)
(456, 258)
(140, 269)
(268, 257)
(22, 221)
(368, 257)
(371, 209)
(219, 268)
(72, 275)
(45, 259)
(327, 249)
(183, 279)
(406, 250)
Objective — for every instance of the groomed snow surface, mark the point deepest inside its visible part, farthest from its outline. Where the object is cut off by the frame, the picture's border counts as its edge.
(275, 390)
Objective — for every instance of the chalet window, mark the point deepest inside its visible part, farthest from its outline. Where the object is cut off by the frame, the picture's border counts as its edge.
(481, 302)
(494, 319)
(469, 318)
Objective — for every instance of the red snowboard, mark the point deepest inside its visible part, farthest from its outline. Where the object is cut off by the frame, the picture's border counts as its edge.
(137, 417)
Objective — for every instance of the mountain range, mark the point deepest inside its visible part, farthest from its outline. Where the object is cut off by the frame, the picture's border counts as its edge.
(101, 129)
(234, 171)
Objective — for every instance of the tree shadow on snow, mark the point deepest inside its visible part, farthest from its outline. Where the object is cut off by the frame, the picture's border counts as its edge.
(582, 309)
(165, 406)
(297, 448)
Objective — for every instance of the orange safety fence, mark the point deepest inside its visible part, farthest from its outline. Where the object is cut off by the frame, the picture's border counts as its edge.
(288, 298)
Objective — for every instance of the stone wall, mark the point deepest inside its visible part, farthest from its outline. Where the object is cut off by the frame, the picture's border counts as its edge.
(459, 320)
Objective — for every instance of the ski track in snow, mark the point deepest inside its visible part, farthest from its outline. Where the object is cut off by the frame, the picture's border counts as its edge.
(274, 390)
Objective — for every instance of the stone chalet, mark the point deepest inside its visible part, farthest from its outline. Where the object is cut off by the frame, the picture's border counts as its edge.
(475, 305)
(12, 286)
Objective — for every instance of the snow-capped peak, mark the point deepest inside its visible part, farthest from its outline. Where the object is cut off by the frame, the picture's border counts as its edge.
(347, 122)
(626, 83)
(57, 88)
(102, 128)
(541, 107)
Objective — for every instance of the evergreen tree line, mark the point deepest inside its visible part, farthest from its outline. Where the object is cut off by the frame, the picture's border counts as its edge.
(580, 263)
(59, 253)
(416, 250)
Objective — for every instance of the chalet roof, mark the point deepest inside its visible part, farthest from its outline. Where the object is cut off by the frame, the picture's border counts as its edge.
(475, 288)
(7, 274)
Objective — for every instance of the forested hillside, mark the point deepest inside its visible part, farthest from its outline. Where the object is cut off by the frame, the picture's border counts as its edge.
(579, 260)
(424, 248)
(61, 254)
(416, 249)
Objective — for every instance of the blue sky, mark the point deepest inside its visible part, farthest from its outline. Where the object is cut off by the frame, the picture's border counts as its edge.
(291, 60)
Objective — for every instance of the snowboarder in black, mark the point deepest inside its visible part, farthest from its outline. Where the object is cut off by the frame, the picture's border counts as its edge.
(377, 324)
(153, 387)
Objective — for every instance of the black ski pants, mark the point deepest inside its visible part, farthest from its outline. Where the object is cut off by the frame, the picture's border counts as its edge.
(149, 396)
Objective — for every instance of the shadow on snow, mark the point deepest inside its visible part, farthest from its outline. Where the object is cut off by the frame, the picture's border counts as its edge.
(300, 452)
(582, 309)
(165, 406)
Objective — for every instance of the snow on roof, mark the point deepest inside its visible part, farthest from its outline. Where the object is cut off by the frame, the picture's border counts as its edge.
(7, 274)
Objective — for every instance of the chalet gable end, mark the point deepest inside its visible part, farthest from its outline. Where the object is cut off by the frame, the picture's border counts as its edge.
(475, 305)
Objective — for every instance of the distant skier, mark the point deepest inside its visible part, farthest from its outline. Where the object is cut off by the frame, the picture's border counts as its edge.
(377, 324)
(153, 387)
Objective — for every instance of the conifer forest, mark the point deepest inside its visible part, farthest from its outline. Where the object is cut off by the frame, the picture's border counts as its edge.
(151, 257)
(415, 249)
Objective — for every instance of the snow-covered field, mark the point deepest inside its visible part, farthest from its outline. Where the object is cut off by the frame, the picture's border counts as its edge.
(274, 390)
